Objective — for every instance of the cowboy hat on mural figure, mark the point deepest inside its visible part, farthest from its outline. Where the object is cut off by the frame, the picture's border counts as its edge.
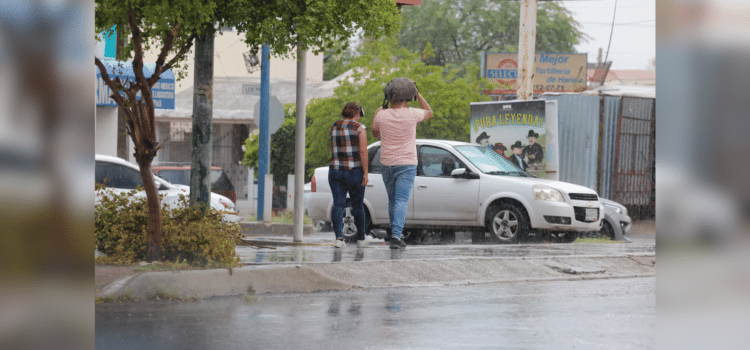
(500, 149)
(533, 151)
(484, 140)
(517, 156)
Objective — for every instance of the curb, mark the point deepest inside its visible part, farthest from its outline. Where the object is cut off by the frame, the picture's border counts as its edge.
(306, 278)
(272, 229)
(282, 243)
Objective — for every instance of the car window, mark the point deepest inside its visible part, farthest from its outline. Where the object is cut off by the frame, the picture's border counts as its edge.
(489, 162)
(215, 175)
(437, 162)
(181, 177)
(376, 167)
(117, 176)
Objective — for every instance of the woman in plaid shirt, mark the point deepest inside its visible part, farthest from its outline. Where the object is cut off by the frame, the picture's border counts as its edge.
(348, 171)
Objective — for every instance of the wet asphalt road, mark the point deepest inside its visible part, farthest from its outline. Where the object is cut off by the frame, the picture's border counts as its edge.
(596, 314)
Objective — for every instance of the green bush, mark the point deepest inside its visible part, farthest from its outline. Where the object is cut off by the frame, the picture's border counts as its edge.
(187, 234)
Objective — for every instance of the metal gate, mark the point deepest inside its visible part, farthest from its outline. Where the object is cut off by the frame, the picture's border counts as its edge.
(226, 144)
(633, 183)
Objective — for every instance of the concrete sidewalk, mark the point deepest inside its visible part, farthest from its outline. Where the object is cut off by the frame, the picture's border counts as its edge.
(316, 265)
(312, 277)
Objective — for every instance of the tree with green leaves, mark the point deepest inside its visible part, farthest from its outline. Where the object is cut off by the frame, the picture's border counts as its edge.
(382, 60)
(282, 147)
(337, 61)
(458, 32)
(172, 27)
(150, 24)
(319, 25)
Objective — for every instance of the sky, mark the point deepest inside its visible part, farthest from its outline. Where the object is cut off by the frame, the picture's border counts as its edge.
(633, 38)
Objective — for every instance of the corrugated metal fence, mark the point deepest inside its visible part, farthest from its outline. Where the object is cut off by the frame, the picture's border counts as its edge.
(633, 182)
(607, 144)
(610, 114)
(578, 130)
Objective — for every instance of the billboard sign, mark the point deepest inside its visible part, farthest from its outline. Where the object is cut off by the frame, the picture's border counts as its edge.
(163, 91)
(561, 72)
(517, 130)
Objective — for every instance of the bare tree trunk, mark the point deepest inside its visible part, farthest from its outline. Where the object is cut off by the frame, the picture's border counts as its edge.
(153, 238)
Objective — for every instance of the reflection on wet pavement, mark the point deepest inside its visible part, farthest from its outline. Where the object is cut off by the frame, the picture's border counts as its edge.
(379, 251)
(597, 314)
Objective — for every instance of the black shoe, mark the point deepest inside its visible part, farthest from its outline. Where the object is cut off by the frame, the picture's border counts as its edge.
(397, 243)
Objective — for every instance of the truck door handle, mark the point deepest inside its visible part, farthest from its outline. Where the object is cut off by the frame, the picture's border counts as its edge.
(370, 185)
(422, 186)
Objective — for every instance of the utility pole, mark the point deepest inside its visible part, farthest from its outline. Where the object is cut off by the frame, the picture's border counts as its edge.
(200, 179)
(526, 50)
(263, 139)
(299, 147)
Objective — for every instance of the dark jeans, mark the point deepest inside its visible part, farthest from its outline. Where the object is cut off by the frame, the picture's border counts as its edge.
(343, 182)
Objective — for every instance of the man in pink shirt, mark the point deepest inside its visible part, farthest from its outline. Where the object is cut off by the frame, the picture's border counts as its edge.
(396, 127)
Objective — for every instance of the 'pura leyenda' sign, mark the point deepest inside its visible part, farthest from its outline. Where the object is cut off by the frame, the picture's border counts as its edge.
(516, 130)
(563, 72)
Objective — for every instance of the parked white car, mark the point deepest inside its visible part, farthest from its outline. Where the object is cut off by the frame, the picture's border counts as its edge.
(120, 176)
(616, 223)
(467, 187)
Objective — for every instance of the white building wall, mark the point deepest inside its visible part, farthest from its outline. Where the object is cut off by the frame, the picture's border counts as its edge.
(106, 131)
(228, 62)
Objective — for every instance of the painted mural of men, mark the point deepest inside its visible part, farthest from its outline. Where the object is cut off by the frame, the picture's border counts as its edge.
(484, 140)
(533, 151)
(517, 156)
(500, 149)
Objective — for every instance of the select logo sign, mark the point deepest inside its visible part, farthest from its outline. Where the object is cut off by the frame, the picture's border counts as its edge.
(506, 69)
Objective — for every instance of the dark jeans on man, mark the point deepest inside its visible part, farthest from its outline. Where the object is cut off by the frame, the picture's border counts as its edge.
(343, 182)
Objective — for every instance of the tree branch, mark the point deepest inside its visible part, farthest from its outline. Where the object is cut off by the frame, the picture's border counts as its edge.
(107, 80)
(146, 120)
(168, 42)
(116, 86)
(179, 56)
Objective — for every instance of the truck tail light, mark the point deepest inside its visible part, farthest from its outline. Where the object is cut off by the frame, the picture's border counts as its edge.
(312, 184)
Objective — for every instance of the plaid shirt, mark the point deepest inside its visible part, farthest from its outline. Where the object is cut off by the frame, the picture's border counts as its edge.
(345, 144)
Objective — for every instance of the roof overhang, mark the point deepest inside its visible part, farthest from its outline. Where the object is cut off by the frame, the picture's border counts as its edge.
(163, 90)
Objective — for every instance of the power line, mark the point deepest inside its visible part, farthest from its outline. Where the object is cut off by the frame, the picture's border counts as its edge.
(622, 24)
(610, 32)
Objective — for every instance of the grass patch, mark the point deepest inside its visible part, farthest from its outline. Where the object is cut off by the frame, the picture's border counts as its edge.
(596, 240)
(172, 296)
(181, 265)
(125, 298)
(284, 217)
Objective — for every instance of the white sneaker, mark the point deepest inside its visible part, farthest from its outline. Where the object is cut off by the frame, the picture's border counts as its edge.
(362, 243)
(339, 244)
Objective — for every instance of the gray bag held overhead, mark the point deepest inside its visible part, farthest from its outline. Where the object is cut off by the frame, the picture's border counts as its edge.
(399, 89)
